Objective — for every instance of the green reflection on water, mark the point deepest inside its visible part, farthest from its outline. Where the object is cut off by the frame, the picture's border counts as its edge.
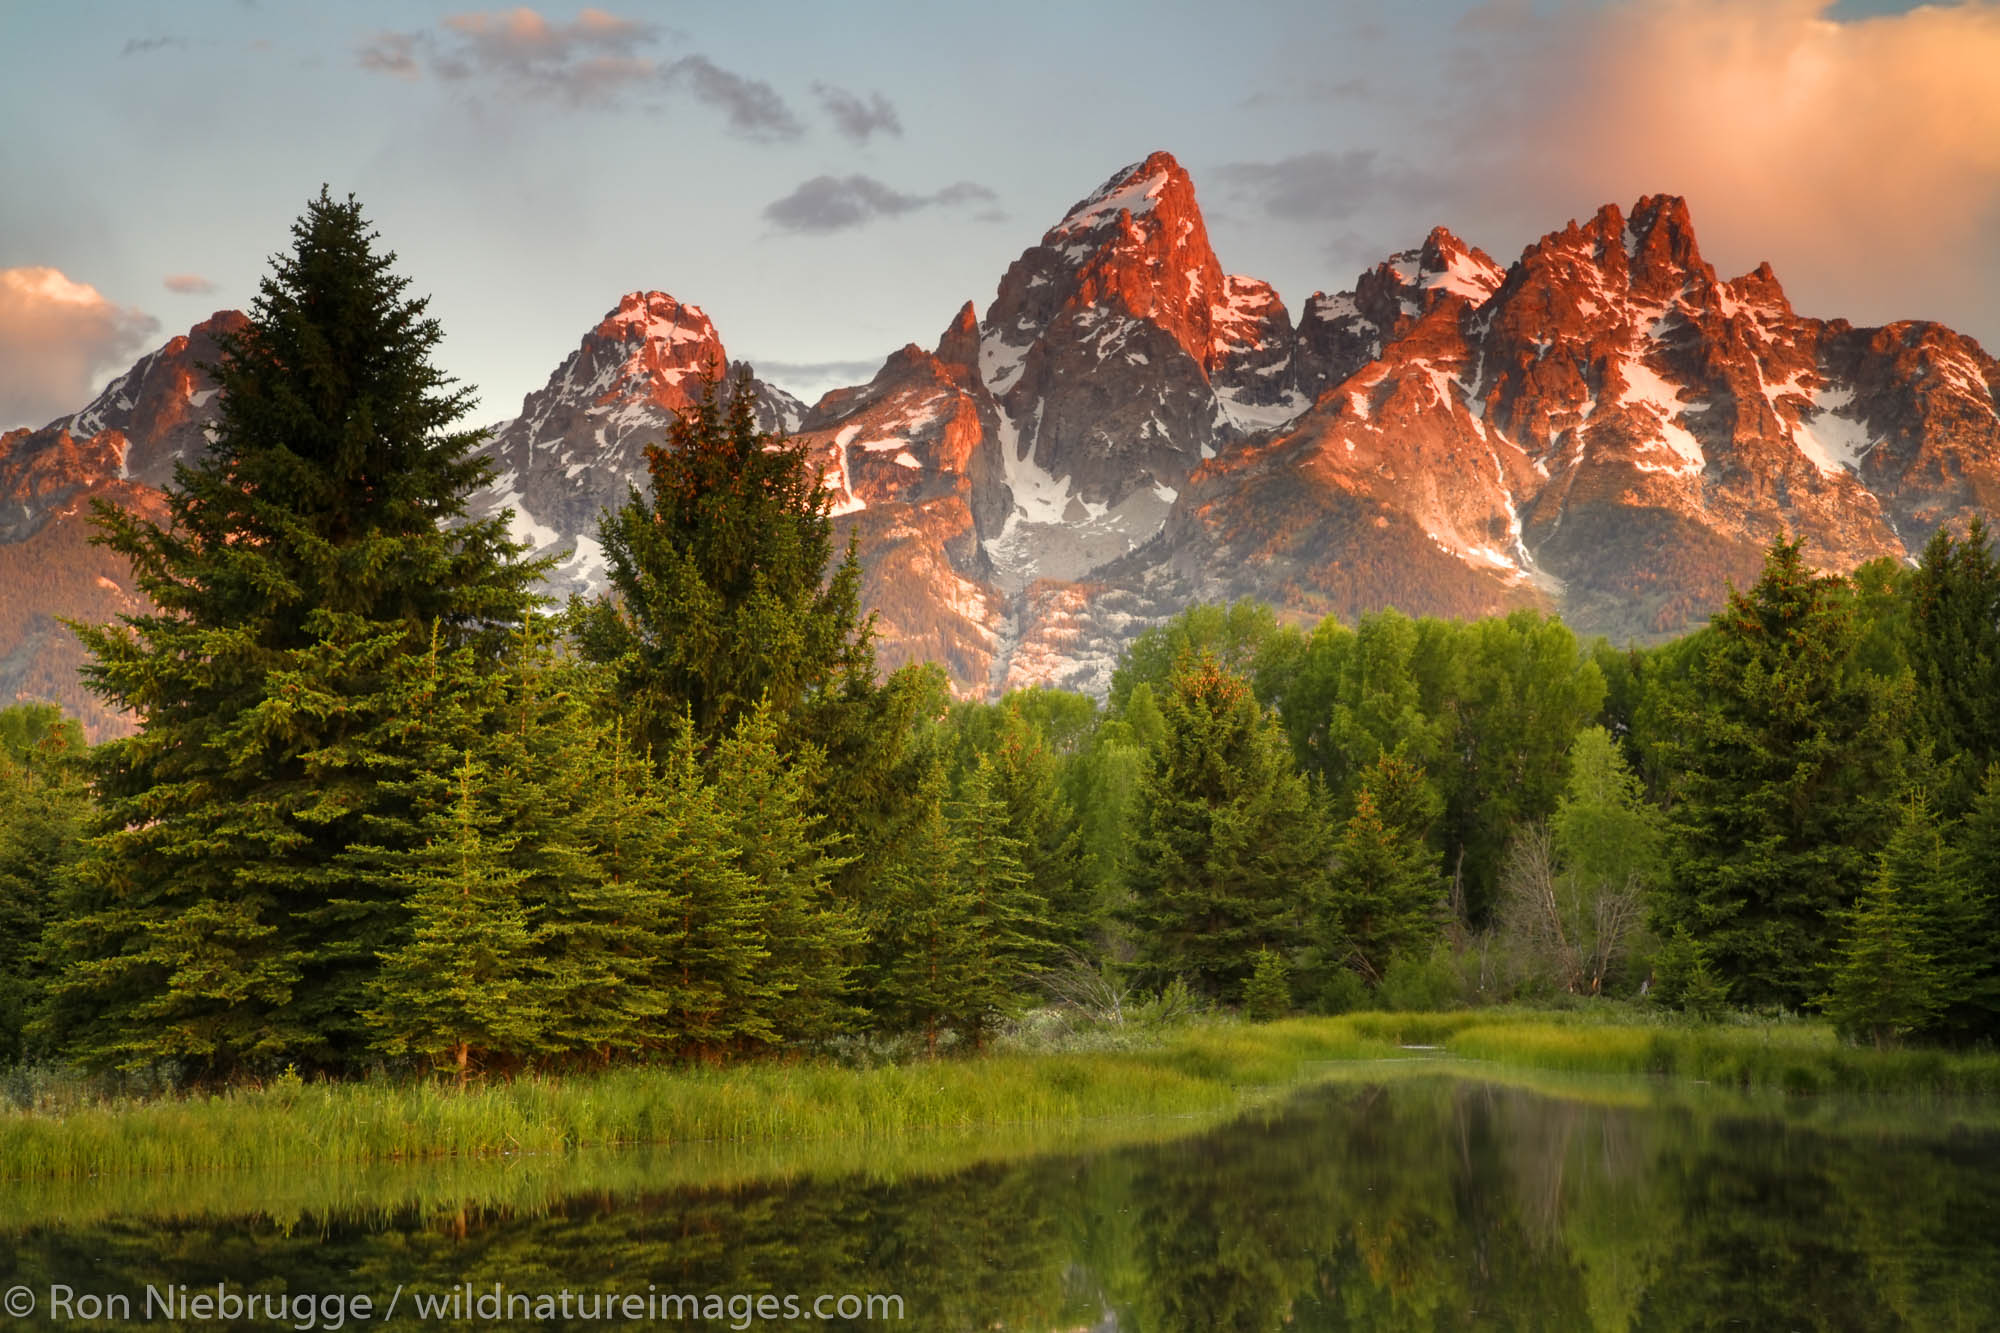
(1424, 1202)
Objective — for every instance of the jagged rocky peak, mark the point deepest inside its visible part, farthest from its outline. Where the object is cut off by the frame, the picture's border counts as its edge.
(654, 346)
(958, 346)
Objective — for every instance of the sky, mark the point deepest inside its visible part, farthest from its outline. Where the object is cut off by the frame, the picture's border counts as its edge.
(832, 181)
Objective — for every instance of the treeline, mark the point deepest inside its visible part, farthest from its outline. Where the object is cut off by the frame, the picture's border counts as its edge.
(383, 808)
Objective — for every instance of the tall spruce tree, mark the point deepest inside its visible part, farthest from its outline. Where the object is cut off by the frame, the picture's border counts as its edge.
(316, 544)
(44, 806)
(1384, 896)
(1227, 853)
(720, 596)
(1788, 761)
(1954, 648)
(1886, 983)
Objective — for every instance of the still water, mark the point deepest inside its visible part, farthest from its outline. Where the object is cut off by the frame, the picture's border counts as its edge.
(1424, 1203)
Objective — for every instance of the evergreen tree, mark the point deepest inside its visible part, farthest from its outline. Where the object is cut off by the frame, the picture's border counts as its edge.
(1384, 895)
(810, 936)
(44, 805)
(1968, 948)
(1886, 983)
(1009, 917)
(720, 595)
(1787, 763)
(1268, 993)
(464, 987)
(924, 972)
(1227, 850)
(314, 547)
(1954, 649)
(1025, 776)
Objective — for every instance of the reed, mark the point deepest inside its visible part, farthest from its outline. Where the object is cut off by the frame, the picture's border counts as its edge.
(1185, 1072)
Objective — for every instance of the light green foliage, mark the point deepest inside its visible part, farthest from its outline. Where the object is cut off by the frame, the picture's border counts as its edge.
(463, 989)
(1236, 636)
(1574, 893)
(1228, 844)
(1786, 762)
(1885, 980)
(1268, 993)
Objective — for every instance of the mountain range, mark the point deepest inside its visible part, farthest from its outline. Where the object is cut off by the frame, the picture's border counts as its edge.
(1603, 428)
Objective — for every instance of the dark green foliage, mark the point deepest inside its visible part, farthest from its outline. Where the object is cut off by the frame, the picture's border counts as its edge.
(1968, 943)
(311, 551)
(1885, 981)
(1227, 849)
(1954, 649)
(44, 805)
(720, 597)
(1786, 763)
(1384, 897)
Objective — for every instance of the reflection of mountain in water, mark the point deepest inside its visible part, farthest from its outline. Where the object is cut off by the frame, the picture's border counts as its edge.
(1430, 1204)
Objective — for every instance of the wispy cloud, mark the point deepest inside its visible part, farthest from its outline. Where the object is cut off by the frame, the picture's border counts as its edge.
(189, 284)
(596, 60)
(139, 46)
(837, 203)
(1318, 186)
(810, 379)
(752, 107)
(55, 336)
(855, 117)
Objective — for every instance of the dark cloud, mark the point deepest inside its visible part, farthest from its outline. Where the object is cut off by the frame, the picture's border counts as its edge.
(189, 284)
(855, 118)
(836, 203)
(139, 46)
(595, 60)
(1322, 186)
(753, 108)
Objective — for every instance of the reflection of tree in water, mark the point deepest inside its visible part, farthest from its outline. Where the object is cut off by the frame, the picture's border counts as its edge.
(1425, 1205)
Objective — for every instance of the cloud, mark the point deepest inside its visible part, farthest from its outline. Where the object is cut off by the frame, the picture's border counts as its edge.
(596, 60)
(836, 203)
(752, 107)
(1321, 186)
(1862, 157)
(55, 336)
(189, 284)
(810, 379)
(139, 46)
(855, 118)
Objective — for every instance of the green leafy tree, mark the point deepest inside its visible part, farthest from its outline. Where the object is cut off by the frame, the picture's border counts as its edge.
(1228, 849)
(1787, 764)
(316, 545)
(1967, 945)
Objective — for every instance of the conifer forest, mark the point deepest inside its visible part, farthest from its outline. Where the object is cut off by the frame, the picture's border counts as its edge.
(385, 809)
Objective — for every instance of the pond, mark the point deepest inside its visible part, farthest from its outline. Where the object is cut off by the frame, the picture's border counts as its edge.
(1425, 1201)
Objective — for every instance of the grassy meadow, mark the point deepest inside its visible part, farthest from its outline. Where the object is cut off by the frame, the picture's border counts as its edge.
(1046, 1082)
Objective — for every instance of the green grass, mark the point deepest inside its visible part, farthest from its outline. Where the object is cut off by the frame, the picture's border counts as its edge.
(1189, 1072)
(1033, 1095)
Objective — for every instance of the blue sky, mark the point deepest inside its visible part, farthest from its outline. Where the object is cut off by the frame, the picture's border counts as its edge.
(832, 181)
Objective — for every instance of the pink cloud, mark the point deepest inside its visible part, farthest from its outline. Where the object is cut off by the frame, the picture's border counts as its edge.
(55, 336)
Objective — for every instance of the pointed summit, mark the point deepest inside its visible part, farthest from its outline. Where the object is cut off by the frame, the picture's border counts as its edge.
(958, 347)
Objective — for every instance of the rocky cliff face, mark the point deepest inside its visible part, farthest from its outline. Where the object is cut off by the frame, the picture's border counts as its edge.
(1605, 428)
